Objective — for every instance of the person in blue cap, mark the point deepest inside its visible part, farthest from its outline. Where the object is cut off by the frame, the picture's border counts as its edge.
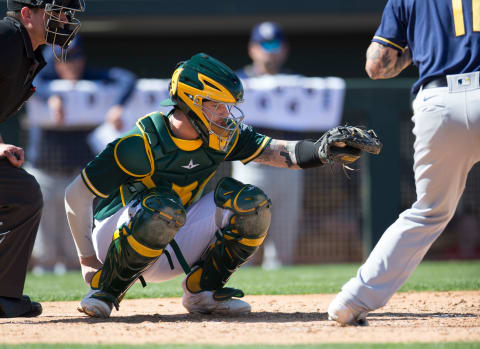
(268, 48)
(74, 68)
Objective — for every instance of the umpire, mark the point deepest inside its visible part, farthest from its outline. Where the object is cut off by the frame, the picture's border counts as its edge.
(29, 24)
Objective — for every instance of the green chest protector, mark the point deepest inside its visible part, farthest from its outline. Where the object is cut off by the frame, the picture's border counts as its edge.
(153, 157)
(185, 166)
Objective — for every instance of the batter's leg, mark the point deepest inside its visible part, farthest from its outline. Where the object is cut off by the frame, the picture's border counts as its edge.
(440, 176)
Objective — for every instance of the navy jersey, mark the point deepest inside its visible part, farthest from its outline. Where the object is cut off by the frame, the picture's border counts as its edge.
(443, 35)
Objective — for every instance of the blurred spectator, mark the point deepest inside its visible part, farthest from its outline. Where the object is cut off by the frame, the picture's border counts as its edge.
(269, 50)
(58, 152)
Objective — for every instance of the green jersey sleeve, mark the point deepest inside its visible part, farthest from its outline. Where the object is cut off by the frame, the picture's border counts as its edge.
(122, 159)
(249, 145)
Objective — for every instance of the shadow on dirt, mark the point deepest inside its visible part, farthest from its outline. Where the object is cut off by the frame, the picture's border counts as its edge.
(271, 317)
(409, 316)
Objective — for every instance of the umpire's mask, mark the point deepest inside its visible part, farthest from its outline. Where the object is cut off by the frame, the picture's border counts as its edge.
(62, 26)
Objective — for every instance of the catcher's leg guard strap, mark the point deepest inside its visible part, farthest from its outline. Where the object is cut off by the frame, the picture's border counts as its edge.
(138, 245)
(239, 240)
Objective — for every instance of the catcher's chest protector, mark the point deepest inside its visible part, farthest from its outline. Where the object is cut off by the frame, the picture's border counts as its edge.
(239, 240)
(157, 159)
(185, 166)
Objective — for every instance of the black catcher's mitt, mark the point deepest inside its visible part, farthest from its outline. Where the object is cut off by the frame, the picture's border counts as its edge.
(356, 140)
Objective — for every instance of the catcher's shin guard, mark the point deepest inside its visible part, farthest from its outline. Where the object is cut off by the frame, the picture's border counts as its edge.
(236, 242)
(139, 244)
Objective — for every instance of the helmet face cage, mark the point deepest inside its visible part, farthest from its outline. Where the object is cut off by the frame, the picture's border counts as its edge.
(61, 31)
(222, 119)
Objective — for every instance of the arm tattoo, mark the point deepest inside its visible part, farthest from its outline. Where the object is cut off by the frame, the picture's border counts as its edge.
(384, 62)
(288, 160)
(279, 154)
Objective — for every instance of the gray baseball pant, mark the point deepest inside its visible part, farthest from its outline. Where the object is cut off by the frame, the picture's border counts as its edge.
(447, 145)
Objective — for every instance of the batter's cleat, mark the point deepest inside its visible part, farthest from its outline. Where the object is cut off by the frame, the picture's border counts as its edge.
(339, 311)
(205, 303)
(95, 307)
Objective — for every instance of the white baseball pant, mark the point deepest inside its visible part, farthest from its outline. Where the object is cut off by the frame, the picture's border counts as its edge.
(193, 238)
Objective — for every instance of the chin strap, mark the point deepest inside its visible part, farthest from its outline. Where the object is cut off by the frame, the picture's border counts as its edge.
(194, 121)
(199, 127)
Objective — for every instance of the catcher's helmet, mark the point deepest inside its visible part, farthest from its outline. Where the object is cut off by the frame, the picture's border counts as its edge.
(61, 26)
(200, 79)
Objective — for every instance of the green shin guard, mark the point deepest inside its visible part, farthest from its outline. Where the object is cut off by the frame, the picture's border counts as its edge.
(136, 246)
(123, 266)
(236, 242)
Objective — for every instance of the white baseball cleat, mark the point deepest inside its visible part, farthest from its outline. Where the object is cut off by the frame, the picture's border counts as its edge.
(95, 307)
(339, 311)
(204, 303)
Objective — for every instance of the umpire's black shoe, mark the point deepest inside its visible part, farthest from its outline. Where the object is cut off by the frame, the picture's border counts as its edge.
(23, 307)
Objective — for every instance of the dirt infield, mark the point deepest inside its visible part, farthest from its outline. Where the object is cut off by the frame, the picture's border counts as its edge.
(409, 317)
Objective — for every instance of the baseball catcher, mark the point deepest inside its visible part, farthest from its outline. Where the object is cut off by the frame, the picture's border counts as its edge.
(152, 223)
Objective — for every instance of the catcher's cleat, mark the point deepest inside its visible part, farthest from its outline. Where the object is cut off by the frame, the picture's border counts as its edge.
(95, 307)
(339, 311)
(205, 303)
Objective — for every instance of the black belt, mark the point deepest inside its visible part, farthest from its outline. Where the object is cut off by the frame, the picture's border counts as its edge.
(437, 82)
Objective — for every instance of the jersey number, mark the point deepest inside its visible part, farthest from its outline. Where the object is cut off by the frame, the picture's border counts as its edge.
(458, 16)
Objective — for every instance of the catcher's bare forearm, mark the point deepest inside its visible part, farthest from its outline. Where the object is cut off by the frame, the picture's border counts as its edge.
(279, 153)
(79, 208)
(384, 62)
(294, 155)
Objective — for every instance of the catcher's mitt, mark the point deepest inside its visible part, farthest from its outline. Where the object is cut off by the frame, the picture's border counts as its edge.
(356, 140)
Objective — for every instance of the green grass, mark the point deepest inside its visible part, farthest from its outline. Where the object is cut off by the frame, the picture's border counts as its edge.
(451, 345)
(429, 276)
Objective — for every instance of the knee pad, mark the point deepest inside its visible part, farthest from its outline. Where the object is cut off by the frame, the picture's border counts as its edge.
(239, 240)
(159, 218)
(249, 224)
(139, 243)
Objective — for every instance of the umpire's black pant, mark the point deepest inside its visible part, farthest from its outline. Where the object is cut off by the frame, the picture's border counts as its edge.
(20, 211)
